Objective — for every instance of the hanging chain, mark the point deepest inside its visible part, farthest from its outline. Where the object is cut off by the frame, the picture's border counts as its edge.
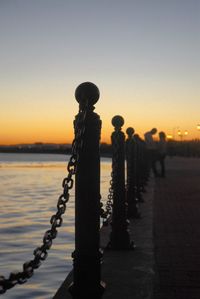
(105, 214)
(40, 253)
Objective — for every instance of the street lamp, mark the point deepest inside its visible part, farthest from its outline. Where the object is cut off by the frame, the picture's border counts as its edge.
(174, 132)
(169, 136)
(198, 127)
(186, 133)
(180, 134)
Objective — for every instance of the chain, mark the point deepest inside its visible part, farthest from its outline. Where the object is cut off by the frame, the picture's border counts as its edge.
(40, 253)
(116, 150)
(105, 214)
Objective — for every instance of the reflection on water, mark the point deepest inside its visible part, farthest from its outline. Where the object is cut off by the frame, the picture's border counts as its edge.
(29, 190)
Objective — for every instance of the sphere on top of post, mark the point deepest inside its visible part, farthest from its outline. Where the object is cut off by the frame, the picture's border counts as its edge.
(117, 122)
(130, 131)
(87, 94)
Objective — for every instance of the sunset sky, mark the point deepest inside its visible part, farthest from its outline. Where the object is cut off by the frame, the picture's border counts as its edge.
(142, 54)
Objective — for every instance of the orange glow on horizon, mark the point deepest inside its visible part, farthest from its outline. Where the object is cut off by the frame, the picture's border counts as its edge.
(49, 120)
(57, 136)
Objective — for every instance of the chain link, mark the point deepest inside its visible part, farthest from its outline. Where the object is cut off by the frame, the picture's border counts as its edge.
(105, 214)
(40, 253)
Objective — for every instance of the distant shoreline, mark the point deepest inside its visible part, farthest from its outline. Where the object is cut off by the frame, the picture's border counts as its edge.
(67, 151)
(175, 148)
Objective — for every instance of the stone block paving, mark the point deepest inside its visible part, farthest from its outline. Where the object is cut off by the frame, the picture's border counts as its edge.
(176, 231)
(166, 261)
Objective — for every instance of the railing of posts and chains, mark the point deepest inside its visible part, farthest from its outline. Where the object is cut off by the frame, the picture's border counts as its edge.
(41, 253)
(124, 196)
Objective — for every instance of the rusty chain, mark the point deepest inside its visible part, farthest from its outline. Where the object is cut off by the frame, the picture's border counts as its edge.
(40, 253)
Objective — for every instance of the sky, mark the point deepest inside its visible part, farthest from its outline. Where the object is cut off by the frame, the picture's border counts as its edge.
(142, 54)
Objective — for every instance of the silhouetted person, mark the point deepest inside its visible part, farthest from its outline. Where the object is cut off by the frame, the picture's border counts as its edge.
(162, 151)
(151, 150)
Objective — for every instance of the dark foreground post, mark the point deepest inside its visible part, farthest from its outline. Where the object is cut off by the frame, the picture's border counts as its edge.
(87, 258)
(133, 211)
(119, 237)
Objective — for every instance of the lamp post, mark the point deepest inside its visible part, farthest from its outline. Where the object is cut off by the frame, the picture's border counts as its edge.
(198, 128)
(174, 132)
(180, 134)
(186, 133)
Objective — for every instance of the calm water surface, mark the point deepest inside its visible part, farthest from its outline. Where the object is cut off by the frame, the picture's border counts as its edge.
(30, 185)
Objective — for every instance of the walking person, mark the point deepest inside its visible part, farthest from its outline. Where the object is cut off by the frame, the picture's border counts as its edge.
(151, 150)
(162, 152)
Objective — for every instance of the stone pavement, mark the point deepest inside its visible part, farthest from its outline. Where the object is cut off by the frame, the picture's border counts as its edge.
(129, 274)
(166, 261)
(177, 231)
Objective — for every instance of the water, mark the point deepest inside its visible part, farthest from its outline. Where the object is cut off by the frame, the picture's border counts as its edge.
(29, 190)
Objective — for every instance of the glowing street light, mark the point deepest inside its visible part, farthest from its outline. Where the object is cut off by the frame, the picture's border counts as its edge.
(186, 133)
(180, 134)
(198, 127)
(169, 136)
(174, 132)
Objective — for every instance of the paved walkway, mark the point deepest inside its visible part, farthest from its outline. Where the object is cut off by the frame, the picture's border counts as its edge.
(177, 231)
(129, 274)
(166, 261)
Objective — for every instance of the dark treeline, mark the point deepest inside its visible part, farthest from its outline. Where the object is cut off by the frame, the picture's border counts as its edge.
(184, 148)
(36, 148)
(105, 149)
(175, 148)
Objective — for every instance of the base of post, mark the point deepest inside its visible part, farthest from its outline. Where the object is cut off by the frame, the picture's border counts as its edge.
(133, 212)
(139, 197)
(134, 215)
(143, 190)
(120, 242)
(87, 292)
(130, 246)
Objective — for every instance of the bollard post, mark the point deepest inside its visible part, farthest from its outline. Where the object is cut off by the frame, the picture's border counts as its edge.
(133, 211)
(119, 237)
(87, 257)
(143, 166)
(139, 168)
